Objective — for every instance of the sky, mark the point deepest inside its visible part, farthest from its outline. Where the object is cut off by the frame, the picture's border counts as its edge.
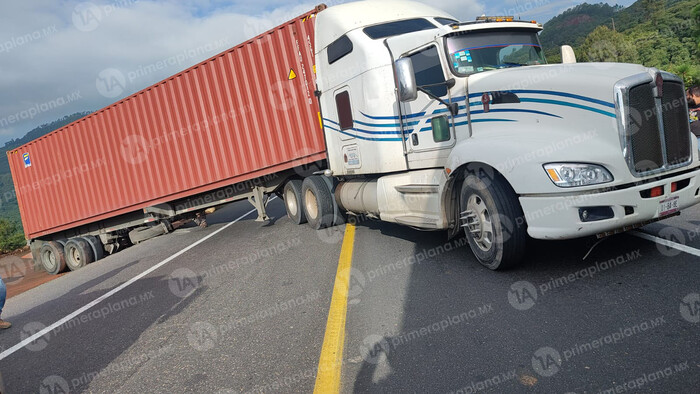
(67, 56)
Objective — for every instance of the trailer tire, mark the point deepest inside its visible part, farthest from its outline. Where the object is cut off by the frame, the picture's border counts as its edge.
(98, 251)
(52, 258)
(318, 202)
(78, 253)
(293, 202)
(492, 220)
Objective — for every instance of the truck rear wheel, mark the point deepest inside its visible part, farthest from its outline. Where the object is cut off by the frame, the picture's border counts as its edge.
(318, 202)
(52, 258)
(98, 251)
(293, 201)
(490, 215)
(78, 253)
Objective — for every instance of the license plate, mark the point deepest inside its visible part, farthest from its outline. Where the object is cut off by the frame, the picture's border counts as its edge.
(667, 207)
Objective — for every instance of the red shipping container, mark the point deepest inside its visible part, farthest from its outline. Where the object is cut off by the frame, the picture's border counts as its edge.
(245, 113)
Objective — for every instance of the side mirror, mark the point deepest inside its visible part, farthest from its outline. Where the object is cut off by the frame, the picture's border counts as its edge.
(568, 56)
(408, 91)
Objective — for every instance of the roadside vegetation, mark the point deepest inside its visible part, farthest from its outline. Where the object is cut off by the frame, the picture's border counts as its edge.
(656, 33)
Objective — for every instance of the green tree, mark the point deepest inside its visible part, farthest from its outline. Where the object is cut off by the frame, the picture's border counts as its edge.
(696, 17)
(605, 45)
(653, 10)
(11, 238)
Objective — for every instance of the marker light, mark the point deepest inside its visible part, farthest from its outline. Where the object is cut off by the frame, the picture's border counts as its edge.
(572, 175)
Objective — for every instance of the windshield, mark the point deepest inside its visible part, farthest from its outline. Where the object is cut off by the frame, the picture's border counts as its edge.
(473, 52)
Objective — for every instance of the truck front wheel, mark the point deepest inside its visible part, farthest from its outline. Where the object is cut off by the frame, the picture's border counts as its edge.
(492, 220)
(52, 258)
(318, 202)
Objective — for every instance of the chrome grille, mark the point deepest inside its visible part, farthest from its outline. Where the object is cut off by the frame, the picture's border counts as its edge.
(676, 125)
(654, 127)
(643, 129)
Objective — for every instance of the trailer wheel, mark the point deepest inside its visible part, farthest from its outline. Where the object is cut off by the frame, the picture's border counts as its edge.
(98, 251)
(491, 217)
(78, 253)
(52, 258)
(293, 201)
(318, 202)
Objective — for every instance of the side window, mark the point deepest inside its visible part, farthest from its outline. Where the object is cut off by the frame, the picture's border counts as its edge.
(428, 70)
(445, 21)
(342, 103)
(338, 49)
(391, 29)
(441, 129)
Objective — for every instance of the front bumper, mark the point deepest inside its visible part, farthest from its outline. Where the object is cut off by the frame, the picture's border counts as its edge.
(558, 216)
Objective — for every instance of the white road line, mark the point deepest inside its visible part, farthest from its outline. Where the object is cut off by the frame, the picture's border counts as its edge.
(114, 291)
(665, 242)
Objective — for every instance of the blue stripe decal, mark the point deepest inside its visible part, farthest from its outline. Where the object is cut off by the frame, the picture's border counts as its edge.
(555, 93)
(393, 117)
(567, 104)
(362, 137)
(395, 125)
(526, 111)
(392, 132)
(484, 121)
(569, 95)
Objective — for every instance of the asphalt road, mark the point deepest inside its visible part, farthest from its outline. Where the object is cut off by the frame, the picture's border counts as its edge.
(246, 310)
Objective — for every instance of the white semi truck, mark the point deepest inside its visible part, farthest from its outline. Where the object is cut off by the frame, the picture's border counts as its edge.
(427, 122)
(445, 125)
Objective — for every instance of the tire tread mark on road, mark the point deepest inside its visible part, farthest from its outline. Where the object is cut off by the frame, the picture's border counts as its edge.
(331, 360)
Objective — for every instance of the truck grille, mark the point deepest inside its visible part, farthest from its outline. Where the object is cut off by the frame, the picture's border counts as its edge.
(654, 131)
(676, 125)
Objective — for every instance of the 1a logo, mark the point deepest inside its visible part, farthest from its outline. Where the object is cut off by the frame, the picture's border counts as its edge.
(182, 282)
(522, 295)
(86, 17)
(111, 83)
(202, 336)
(54, 385)
(690, 308)
(546, 361)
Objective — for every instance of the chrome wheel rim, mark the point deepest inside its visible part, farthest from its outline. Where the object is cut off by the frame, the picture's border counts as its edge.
(290, 199)
(478, 224)
(49, 260)
(311, 204)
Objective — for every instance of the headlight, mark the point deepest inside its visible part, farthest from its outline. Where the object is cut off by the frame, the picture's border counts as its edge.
(572, 175)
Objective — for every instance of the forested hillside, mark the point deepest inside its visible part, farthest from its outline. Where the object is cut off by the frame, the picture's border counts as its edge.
(11, 231)
(656, 33)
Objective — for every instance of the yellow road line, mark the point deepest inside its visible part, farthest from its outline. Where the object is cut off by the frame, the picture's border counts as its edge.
(331, 361)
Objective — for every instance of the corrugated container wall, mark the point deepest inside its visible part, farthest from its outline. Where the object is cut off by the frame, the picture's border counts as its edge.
(245, 113)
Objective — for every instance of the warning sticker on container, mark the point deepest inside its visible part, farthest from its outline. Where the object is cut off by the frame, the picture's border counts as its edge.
(27, 160)
(292, 74)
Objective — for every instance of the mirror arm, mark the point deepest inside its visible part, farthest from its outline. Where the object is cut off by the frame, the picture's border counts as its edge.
(453, 107)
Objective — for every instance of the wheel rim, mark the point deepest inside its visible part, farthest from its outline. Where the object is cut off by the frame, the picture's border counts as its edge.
(478, 223)
(291, 200)
(311, 204)
(49, 259)
(75, 256)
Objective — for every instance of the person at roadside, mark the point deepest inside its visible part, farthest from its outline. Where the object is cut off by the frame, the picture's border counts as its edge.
(3, 295)
(693, 95)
